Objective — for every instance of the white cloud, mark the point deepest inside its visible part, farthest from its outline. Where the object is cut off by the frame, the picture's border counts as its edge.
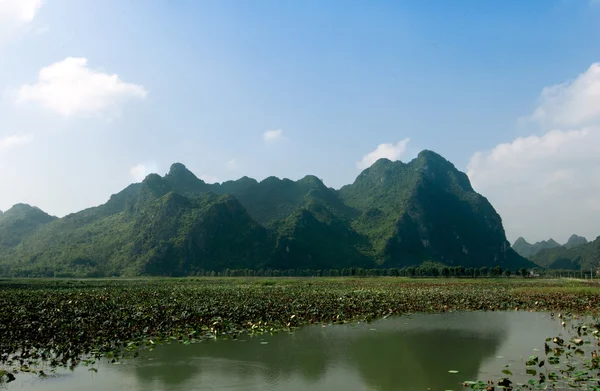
(142, 170)
(231, 165)
(209, 178)
(272, 136)
(547, 185)
(16, 13)
(21, 11)
(571, 104)
(15, 140)
(70, 88)
(388, 151)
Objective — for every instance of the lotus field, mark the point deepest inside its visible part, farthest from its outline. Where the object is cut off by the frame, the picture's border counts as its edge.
(64, 323)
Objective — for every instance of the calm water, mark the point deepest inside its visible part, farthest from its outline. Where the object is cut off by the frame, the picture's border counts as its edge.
(406, 353)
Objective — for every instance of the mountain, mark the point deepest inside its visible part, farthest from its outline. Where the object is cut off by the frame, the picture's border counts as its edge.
(548, 253)
(19, 222)
(575, 241)
(156, 232)
(395, 214)
(525, 249)
(274, 199)
(585, 256)
(427, 210)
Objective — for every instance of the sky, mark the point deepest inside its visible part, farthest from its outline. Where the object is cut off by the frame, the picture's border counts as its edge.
(95, 95)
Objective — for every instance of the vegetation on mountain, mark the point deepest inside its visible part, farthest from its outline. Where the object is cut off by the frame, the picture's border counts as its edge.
(393, 215)
(575, 240)
(19, 222)
(576, 254)
(427, 210)
(583, 257)
(525, 249)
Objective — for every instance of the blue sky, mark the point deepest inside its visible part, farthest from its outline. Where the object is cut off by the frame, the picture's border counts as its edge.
(200, 82)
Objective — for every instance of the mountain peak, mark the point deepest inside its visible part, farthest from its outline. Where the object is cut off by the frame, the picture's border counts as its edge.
(184, 181)
(311, 180)
(179, 171)
(575, 240)
(152, 179)
(19, 210)
(552, 242)
(526, 249)
(382, 162)
(429, 154)
(434, 160)
(21, 206)
(520, 241)
(177, 167)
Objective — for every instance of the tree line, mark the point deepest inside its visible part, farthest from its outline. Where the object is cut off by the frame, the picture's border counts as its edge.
(410, 271)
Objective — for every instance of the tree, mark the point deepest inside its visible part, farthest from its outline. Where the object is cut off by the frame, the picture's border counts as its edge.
(507, 273)
(496, 271)
(524, 272)
(483, 271)
(444, 271)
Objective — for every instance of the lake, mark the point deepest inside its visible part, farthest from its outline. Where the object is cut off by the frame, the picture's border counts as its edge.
(413, 352)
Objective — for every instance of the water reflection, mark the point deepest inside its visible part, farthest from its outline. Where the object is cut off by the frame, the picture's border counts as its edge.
(415, 353)
(408, 353)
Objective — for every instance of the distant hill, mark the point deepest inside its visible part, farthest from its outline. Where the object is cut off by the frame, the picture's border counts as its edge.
(575, 241)
(525, 249)
(550, 254)
(20, 222)
(585, 256)
(395, 214)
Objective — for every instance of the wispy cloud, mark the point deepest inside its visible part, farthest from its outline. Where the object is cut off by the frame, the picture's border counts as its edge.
(231, 165)
(14, 14)
(209, 178)
(388, 151)
(15, 140)
(70, 88)
(272, 136)
(142, 170)
(571, 104)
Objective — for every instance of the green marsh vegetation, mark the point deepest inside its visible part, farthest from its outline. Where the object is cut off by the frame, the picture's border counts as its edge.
(65, 323)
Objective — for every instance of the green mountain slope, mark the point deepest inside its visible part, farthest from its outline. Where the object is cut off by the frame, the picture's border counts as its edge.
(574, 241)
(161, 233)
(548, 253)
(526, 249)
(315, 238)
(585, 256)
(427, 210)
(19, 222)
(394, 214)
(274, 199)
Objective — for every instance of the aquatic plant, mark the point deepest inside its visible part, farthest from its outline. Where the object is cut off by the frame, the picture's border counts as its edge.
(70, 322)
(570, 361)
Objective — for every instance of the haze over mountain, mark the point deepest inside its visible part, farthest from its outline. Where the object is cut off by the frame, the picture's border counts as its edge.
(575, 240)
(525, 249)
(585, 256)
(394, 214)
(576, 254)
